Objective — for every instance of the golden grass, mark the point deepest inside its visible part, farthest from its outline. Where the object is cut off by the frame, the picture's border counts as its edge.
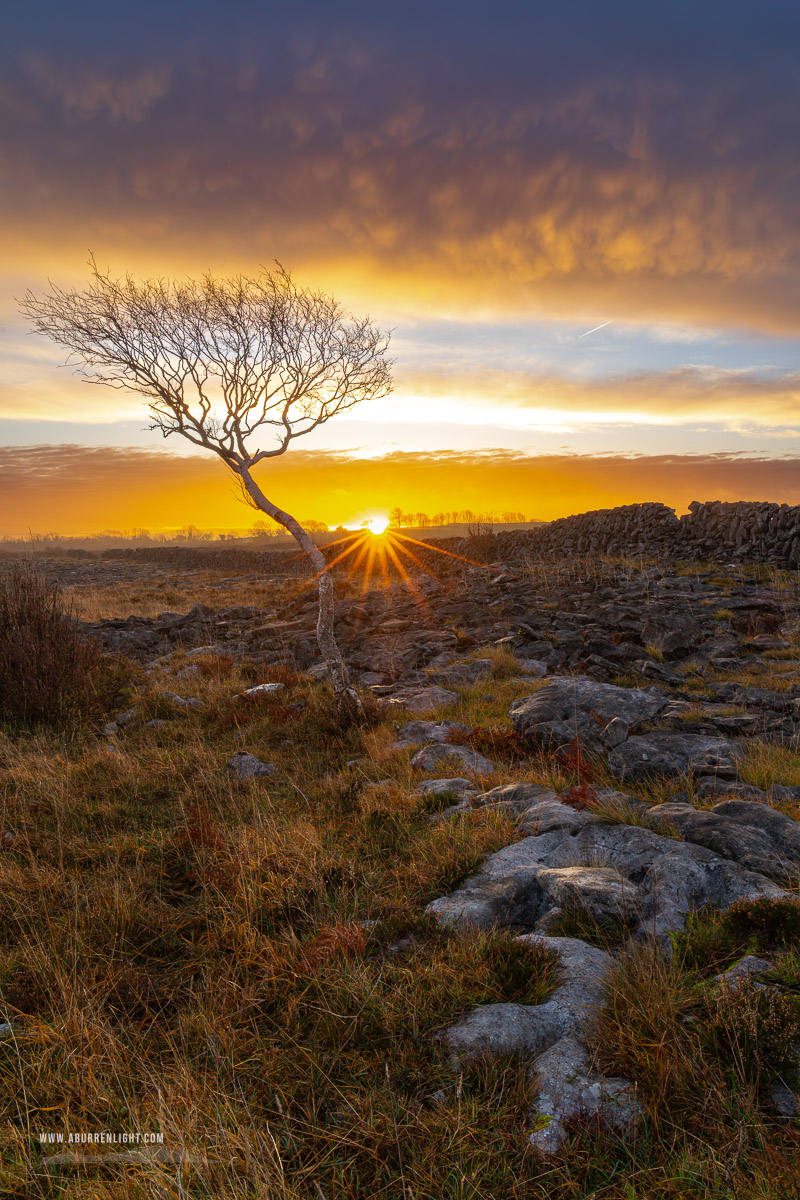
(248, 968)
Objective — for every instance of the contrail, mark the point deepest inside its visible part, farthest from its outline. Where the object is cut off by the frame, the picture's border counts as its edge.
(588, 331)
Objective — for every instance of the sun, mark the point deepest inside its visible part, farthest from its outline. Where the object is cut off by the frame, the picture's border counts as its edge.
(378, 525)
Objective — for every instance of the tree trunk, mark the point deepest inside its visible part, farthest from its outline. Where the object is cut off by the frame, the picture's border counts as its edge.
(348, 702)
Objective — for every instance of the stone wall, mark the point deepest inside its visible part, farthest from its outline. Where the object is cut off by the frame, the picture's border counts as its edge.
(743, 530)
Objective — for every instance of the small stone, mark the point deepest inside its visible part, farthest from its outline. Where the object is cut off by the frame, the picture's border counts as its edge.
(784, 1100)
(437, 787)
(744, 971)
(419, 733)
(156, 723)
(615, 733)
(181, 701)
(125, 718)
(247, 766)
(429, 758)
(264, 689)
(532, 668)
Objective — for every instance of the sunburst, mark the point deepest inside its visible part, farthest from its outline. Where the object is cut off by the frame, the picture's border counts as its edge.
(375, 551)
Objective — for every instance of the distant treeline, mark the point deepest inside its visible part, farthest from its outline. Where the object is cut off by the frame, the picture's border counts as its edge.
(455, 523)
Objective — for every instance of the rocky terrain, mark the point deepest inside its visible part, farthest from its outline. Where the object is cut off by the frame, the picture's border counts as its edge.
(670, 639)
(613, 745)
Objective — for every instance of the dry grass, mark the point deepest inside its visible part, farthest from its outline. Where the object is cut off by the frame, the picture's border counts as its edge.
(248, 968)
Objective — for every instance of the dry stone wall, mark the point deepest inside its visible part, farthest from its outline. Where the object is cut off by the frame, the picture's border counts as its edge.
(717, 530)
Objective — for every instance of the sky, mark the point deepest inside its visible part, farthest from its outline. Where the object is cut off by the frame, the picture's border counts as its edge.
(580, 221)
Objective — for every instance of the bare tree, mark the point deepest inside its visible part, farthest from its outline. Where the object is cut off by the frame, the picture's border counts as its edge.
(238, 366)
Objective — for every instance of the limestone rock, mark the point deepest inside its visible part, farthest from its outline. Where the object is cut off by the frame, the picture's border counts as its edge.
(424, 702)
(438, 787)
(567, 1087)
(420, 733)
(438, 755)
(525, 1028)
(667, 754)
(755, 835)
(463, 674)
(602, 892)
(247, 766)
(568, 707)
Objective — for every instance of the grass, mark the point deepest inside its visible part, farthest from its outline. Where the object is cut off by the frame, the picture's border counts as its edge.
(248, 967)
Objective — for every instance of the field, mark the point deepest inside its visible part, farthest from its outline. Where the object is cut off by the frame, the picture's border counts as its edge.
(245, 968)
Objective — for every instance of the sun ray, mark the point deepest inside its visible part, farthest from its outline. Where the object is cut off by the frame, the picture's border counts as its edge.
(438, 550)
(419, 599)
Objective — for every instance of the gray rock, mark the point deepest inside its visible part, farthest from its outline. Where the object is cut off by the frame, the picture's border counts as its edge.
(532, 668)
(436, 756)
(602, 892)
(247, 766)
(615, 733)
(710, 788)
(156, 723)
(669, 754)
(668, 879)
(264, 689)
(568, 707)
(420, 733)
(181, 701)
(424, 702)
(784, 1100)
(524, 1028)
(188, 672)
(437, 787)
(463, 674)
(567, 1087)
(753, 834)
(125, 718)
(745, 970)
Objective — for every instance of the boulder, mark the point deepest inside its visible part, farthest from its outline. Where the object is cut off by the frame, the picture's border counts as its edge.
(665, 879)
(568, 707)
(463, 674)
(601, 892)
(438, 787)
(753, 834)
(424, 702)
(525, 1028)
(665, 754)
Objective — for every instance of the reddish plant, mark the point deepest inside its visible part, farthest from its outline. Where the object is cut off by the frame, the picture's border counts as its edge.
(574, 759)
(582, 795)
(335, 941)
(201, 831)
(498, 741)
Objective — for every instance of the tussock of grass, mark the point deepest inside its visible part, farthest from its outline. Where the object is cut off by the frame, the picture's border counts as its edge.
(768, 763)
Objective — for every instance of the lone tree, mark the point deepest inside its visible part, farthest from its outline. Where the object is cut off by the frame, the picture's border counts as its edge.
(238, 366)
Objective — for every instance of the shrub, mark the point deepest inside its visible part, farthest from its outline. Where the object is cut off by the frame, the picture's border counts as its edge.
(47, 669)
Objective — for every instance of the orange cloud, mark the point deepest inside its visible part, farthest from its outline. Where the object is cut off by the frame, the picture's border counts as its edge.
(591, 195)
(75, 489)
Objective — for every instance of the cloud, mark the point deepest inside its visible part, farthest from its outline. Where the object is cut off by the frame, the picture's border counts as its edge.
(573, 166)
(77, 489)
(688, 393)
(83, 92)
